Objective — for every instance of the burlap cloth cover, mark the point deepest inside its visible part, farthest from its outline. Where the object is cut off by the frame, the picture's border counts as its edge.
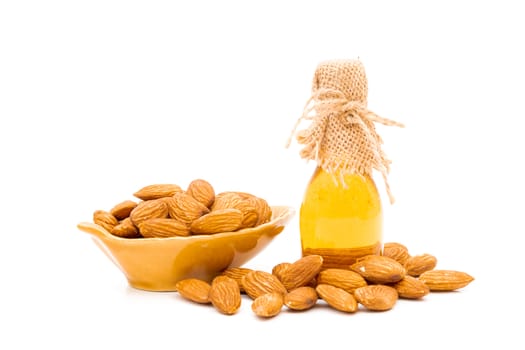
(342, 137)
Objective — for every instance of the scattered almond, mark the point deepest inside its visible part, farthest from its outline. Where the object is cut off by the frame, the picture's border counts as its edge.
(341, 278)
(302, 298)
(396, 251)
(376, 297)
(301, 272)
(379, 269)
(418, 264)
(411, 288)
(337, 298)
(237, 273)
(279, 269)
(225, 295)
(268, 305)
(257, 283)
(194, 289)
(342, 289)
(445, 280)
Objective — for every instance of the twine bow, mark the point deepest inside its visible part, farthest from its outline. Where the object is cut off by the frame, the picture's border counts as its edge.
(321, 107)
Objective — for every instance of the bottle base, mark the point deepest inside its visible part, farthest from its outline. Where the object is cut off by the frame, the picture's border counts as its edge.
(342, 257)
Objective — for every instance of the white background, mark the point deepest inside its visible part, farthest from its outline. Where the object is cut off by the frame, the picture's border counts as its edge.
(99, 98)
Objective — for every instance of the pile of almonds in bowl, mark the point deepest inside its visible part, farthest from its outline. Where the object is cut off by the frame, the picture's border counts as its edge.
(167, 210)
(374, 281)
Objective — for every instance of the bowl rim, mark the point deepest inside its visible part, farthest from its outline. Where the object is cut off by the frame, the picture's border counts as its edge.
(284, 213)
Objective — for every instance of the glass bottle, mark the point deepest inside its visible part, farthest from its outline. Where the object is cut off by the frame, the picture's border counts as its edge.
(341, 216)
(341, 222)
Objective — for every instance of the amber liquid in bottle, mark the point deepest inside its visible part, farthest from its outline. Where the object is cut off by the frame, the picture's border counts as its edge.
(341, 223)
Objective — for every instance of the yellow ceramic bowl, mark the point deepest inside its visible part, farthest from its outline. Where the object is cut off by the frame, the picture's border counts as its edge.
(157, 264)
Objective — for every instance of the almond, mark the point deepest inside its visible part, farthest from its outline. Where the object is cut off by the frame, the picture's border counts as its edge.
(418, 264)
(216, 221)
(337, 298)
(249, 205)
(163, 227)
(379, 269)
(241, 201)
(105, 219)
(396, 251)
(279, 269)
(411, 288)
(194, 289)
(123, 209)
(302, 298)
(185, 208)
(301, 272)
(376, 297)
(126, 229)
(445, 280)
(268, 305)
(157, 191)
(257, 283)
(237, 273)
(225, 200)
(313, 283)
(225, 295)
(202, 191)
(341, 278)
(149, 209)
(264, 211)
